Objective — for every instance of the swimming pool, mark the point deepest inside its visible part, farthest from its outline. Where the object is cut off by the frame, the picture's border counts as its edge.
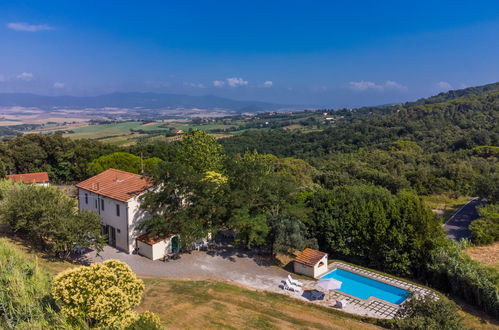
(363, 287)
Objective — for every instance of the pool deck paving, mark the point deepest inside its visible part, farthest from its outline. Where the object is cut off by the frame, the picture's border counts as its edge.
(256, 272)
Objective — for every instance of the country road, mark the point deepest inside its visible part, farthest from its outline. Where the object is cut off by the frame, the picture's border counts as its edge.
(457, 227)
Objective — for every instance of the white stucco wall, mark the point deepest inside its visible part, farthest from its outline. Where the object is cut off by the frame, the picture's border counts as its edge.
(155, 251)
(135, 216)
(145, 250)
(315, 271)
(320, 270)
(130, 215)
(161, 248)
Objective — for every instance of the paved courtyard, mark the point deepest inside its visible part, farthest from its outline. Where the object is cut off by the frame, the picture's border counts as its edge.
(224, 263)
(253, 271)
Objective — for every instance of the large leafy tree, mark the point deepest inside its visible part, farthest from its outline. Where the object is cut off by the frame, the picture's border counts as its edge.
(428, 313)
(369, 224)
(189, 200)
(64, 159)
(260, 191)
(123, 161)
(49, 219)
(186, 202)
(200, 151)
(485, 230)
(288, 233)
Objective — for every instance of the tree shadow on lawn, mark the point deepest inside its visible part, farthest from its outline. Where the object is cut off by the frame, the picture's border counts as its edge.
(30, 248)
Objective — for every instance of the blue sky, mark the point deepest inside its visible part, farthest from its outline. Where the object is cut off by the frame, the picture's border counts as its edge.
(330, 53)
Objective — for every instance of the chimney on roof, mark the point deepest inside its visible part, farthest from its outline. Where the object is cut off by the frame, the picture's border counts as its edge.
(96, 186)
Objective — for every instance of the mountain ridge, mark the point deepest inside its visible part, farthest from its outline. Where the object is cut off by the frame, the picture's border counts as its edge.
(138, 100)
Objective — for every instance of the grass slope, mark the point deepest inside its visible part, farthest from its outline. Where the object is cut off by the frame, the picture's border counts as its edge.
(487, 254)
(212, 304)
(216, 304)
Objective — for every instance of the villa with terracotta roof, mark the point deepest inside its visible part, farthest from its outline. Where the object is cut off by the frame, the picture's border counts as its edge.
(39, 178)
(311, 263)
(115, 195)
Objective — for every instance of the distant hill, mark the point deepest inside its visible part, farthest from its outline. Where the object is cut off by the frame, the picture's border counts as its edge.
(135, 101)
(454, 94)
(463, 120)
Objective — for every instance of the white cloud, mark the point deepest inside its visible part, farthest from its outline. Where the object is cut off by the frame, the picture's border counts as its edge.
(193, 85)
(236, 82)
(390, 84)
(443, 86)
(369, 85)
(59, 85)
(268, 83)
(231, 82)
(364, 85)
(26, 76)
(26, 27)
(218, 83)
(3, 78)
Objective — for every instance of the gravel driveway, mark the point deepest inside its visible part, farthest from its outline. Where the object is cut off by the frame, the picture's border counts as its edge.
(224, 263)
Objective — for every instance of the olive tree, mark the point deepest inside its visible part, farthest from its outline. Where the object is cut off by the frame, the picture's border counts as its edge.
(49, 219)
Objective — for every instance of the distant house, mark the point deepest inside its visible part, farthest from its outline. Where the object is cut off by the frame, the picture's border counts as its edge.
(39, 178)
(311, 263)
(177, 131)
(115, 195)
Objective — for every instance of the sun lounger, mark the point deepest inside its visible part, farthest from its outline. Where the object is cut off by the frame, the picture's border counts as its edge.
(293, 281)
(290, 287)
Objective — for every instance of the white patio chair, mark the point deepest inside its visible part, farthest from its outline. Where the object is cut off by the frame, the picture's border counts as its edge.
(293, 281)
(290, 287)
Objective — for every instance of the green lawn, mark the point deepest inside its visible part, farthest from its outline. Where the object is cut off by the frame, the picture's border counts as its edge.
(220, 305)
(215, 304)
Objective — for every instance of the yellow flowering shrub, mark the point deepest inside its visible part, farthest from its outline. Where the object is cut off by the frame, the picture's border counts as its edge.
(143, 321)
(215, 177)
(102, 294)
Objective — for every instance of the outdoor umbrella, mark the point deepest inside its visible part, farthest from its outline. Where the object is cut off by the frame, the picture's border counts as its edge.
(329, 284)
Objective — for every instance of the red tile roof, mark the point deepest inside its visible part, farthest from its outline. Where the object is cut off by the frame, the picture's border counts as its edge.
(151, 240)
(310, 257)
(116, 184)
(40, 177)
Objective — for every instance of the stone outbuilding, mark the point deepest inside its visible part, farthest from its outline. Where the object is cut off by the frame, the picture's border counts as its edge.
(311, 263)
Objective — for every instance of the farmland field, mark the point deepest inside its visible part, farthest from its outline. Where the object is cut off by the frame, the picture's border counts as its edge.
(128, 132)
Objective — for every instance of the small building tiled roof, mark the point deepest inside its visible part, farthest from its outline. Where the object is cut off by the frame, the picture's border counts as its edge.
(310, 257)
(40, 177)
(151, 240)
(116, 184)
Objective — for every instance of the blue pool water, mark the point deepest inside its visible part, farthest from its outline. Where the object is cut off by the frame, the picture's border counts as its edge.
(363, 287)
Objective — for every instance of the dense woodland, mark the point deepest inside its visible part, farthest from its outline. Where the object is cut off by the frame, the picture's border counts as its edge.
(353, 189)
